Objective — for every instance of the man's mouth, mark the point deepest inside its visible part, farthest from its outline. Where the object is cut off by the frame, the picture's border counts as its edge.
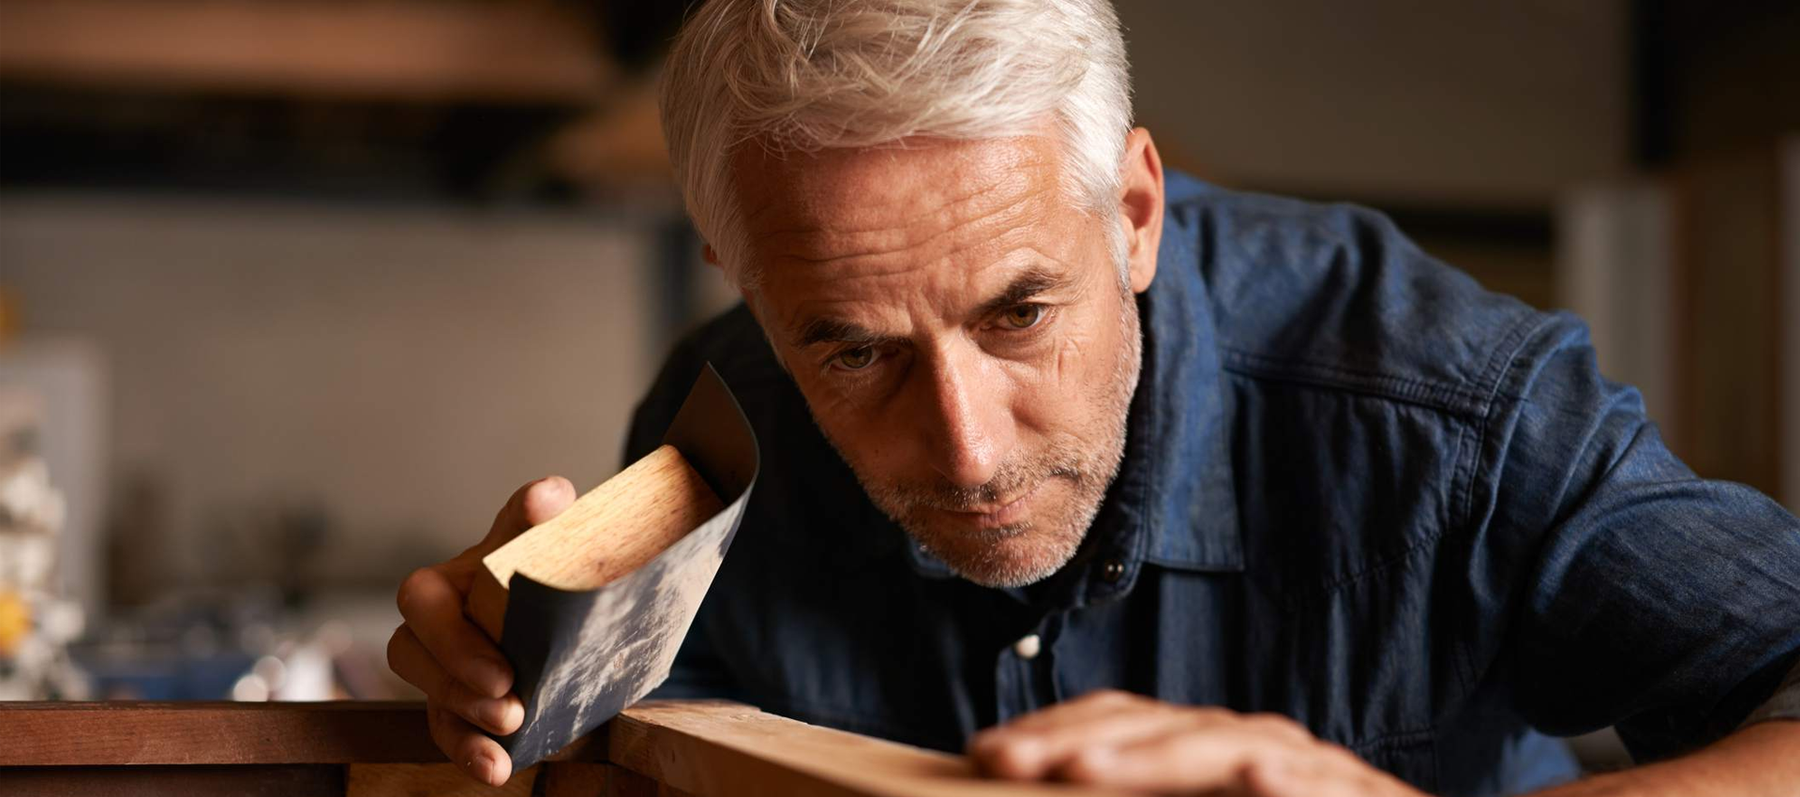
(999, 514)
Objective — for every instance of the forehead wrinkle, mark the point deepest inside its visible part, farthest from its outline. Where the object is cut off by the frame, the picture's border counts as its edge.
(808, 220)
(902, 238)
(828, 207)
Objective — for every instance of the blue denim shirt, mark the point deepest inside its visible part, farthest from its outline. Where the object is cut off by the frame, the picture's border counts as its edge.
(1358, 490)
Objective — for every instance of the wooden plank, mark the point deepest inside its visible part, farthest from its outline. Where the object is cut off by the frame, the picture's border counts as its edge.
(612, 530)
(393, 49)
(131, 732)
(140, 732)
(622, 782)
(577, 780)
(714, 749)
(174, 781)
(666, 748)
(431, 780)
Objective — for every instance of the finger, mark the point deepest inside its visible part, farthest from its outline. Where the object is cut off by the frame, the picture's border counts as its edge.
(482, 758)
(433, 609)
(534, 503)
(1070, 712)
(1334, 773)
(1039, 752)
(1210, 757)
(411, 661)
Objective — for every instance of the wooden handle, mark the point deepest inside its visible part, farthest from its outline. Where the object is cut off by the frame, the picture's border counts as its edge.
(612, 530)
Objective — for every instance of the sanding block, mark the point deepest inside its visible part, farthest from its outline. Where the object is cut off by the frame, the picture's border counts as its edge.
(591, 606)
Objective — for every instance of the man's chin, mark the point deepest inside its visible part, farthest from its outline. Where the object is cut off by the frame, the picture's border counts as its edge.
(1005, 558)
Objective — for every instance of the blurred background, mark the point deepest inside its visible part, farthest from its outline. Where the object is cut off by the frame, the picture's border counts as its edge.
(294, 293)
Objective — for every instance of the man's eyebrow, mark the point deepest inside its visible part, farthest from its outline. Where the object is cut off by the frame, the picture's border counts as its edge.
(1031, 282)
(835, 330)
(1028, 284)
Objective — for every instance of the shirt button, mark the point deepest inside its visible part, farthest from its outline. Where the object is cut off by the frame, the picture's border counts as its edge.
(1028, 646)
(1112, 571)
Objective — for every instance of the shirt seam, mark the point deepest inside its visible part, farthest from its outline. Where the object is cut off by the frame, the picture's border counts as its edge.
(1504, 359)
(1300, 598)
(1441, 396)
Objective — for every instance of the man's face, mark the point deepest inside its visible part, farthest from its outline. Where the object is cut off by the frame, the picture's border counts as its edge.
(960, 332)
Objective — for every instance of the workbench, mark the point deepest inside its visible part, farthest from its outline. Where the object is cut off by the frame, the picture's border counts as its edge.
(365, 749)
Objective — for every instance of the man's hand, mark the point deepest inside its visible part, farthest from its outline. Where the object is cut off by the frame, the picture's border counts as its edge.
(1121, 740)
(466, 681)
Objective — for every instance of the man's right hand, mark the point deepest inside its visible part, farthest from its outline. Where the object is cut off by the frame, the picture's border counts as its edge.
(466, 681)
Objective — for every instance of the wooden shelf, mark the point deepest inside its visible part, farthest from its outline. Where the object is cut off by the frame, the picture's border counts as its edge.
(388, 49)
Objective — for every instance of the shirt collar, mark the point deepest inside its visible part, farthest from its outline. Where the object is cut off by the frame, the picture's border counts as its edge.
(1186, 498)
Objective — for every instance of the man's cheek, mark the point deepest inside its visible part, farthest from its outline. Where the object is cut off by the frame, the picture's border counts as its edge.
(1071, 359)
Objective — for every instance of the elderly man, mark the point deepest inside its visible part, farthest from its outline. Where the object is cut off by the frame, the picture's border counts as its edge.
(1173, 488)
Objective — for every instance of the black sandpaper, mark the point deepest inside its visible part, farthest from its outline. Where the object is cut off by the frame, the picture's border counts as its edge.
(579, 658)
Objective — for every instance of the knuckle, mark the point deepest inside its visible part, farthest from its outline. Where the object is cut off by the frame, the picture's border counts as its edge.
(1278, 725)
(1009, 759)
(1210, 715)
(459, 701)
(411, 586)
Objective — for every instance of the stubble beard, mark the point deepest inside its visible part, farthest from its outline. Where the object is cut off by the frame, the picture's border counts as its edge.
(1024, 553)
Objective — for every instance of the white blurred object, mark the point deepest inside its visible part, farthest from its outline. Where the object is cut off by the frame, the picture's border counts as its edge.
(272, 671)
(1615, 269)
(26, 498)
(308, 675)
(36, 625)
(65, 381)
(250, 689)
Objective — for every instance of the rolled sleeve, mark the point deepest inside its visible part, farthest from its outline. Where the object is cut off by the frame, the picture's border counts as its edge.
(1643, 596)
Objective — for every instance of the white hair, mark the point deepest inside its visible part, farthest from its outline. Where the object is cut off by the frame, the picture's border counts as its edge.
(803, 75)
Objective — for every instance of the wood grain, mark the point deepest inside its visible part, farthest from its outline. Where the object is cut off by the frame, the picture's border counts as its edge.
(173, 781)
(622, 782)
(431, 780)
(577, 780)
(662, 748)
(714, 749)
(131, 732)
(612, 530)
(200, 733)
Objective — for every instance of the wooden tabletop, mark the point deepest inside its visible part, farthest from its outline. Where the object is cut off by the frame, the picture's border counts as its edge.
(699, 748)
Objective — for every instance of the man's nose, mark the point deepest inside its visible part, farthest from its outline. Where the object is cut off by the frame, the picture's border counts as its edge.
(971, 428)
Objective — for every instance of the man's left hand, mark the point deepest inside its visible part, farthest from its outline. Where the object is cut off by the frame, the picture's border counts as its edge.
(1121, 740)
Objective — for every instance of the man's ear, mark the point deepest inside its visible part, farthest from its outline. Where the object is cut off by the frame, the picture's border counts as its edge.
(1141, 206)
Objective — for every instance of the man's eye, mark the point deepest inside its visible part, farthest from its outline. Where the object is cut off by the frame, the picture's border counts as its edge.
(855, 359)
(1023, 316)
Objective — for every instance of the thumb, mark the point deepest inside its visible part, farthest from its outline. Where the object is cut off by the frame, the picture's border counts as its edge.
(530, 505)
